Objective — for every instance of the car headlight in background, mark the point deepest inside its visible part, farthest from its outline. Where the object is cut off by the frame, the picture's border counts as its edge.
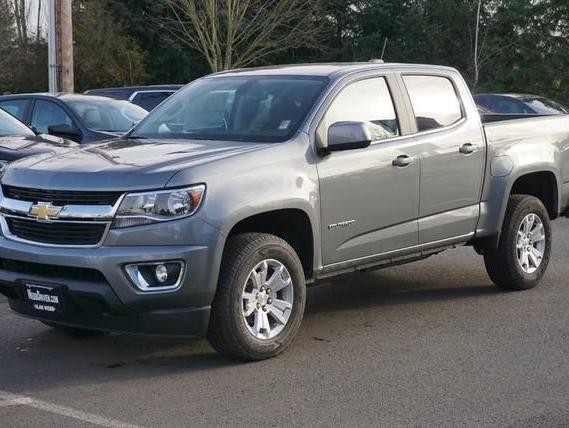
(3, 165)
(154, 207)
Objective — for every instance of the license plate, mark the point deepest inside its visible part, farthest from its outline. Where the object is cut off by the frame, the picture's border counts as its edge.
(44, 298)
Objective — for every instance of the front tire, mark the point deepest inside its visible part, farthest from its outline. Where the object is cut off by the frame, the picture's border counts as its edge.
(260, 298)
(523, 253)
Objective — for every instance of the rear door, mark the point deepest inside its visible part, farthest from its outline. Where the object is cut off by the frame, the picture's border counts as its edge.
(452, 157)
(369, 206)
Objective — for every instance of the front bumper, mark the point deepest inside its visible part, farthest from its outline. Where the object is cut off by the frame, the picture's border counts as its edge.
(98, 294)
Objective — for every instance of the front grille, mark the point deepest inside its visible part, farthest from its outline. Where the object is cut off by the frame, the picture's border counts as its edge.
(57, 233)
(61, 197)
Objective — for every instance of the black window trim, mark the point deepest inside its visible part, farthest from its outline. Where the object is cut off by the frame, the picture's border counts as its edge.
(448, 77)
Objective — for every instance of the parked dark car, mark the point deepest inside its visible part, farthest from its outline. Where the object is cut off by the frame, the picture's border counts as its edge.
(80, 118)
(17, 141)
(147, 97)
(519, 104)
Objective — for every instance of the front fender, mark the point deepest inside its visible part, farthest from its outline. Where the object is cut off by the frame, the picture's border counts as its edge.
(279, 176)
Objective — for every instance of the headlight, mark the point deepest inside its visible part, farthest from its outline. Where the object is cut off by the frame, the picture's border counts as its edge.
(153, 207)
(3, 165)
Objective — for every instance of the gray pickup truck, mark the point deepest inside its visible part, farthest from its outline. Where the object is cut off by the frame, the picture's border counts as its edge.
(215, 212)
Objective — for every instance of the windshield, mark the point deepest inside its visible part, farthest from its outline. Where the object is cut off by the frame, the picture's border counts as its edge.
(545, 106)
(105, 114)
(10, 126)
(244, 108)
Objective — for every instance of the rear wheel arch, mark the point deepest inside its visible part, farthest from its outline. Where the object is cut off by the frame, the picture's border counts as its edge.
(541, 184)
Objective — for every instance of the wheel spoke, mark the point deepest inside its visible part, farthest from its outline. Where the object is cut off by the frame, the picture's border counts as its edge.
(538, 235)
(520, 240)
(277, 282)
(277, 315)
(250, 303)
(256, 279)
(251, 307)
(530, 222)
(525, 261)
(248, 296)
(535, 256)
(281, 305)
(262, 326)
(265, 325)
(257, 325)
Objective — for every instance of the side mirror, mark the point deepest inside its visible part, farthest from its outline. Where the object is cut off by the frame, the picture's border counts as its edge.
(63, 130)
(348, 136)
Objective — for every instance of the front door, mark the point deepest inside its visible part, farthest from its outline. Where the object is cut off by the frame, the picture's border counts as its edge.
(369, 205)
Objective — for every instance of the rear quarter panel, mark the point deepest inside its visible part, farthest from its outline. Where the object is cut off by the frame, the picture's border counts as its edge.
(517, 148)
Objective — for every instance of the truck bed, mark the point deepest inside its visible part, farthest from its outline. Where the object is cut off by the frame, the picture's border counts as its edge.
(502, 117)
(537, 142)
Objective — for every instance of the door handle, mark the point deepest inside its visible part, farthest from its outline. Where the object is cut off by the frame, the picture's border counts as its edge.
(467, 149)
(403, 161)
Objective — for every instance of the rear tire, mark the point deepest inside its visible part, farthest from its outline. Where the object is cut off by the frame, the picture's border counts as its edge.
(260, 298)
(523, 253)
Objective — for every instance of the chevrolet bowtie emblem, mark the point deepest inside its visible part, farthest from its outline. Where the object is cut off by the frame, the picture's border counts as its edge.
(45, 211)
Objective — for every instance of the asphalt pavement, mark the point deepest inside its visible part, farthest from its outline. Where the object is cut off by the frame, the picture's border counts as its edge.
(427, 344)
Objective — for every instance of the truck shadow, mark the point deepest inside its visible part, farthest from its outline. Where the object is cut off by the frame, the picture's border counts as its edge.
(387, 289)
(38, 358)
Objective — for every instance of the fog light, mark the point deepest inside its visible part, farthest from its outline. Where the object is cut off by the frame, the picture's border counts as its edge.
(159, 276)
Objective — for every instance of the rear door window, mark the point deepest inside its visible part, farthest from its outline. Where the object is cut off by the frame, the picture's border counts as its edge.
(15, 107)
(434, 101)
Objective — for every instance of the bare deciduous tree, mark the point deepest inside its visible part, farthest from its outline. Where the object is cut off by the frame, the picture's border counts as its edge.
(236, 33)
(21, 12)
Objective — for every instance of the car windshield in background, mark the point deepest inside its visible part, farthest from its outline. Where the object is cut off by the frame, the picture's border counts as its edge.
(10, 126)
(244, 108)
(544, 106)
(107, 115)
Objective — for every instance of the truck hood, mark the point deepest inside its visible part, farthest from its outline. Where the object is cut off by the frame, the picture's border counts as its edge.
(120, 165)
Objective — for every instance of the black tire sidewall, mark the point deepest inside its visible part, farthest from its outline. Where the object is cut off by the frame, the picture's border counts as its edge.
(234, 277)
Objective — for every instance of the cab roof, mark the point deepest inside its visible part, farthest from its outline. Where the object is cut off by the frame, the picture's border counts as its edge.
(330, 70)
(61, 95)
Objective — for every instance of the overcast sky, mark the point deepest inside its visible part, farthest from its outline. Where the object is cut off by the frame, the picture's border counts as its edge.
(33, 8)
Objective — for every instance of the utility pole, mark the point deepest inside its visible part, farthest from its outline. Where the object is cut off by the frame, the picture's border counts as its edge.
(64, 25)
(61, 76)
(52, 47)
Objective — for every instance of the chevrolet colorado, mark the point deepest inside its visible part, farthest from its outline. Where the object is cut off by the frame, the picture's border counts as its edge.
(213, 214)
